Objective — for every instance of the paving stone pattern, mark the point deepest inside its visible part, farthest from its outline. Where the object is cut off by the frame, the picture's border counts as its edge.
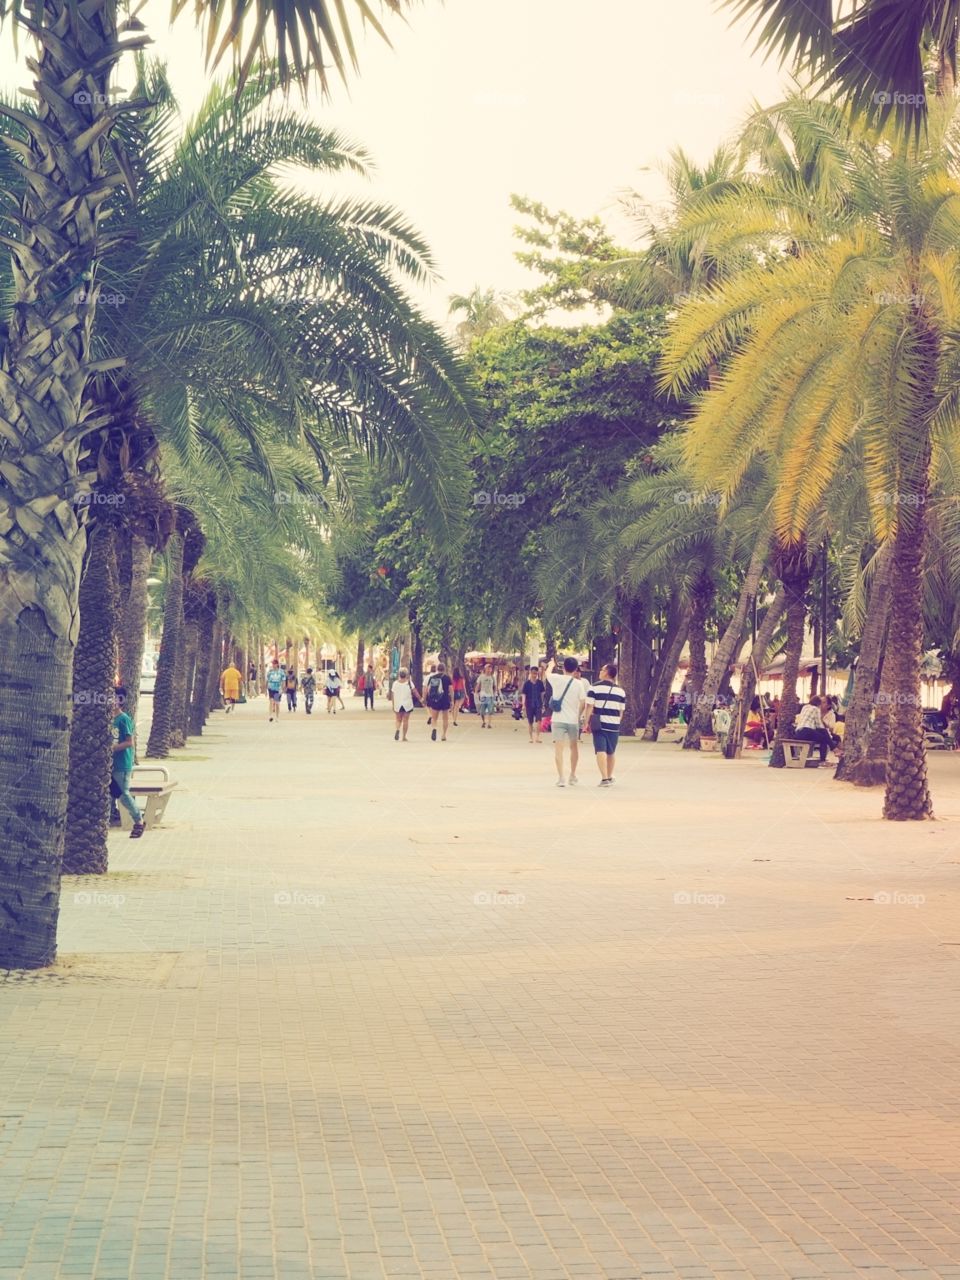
(366, 1010)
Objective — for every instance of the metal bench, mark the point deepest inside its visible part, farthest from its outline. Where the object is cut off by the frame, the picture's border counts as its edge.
(154, 793)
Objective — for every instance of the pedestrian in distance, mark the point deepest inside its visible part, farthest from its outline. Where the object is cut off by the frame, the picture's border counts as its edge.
(230, 683)
(308, 686)
(485, 692)
(121, 773)
(566, 700)
(532, 692)
(438, 699)
(401, 699)
(459, 694)
(275, 680)
(605, 705)
(290, 687)
(369, 686)
(331, 688)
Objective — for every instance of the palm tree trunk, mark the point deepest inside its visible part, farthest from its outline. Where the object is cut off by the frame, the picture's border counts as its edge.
(675, 635)
(191, 649)
(132, 631)
(727, 649)
(907, 796)
(164, 694)
(214, 700)
(201, 684)
(417, 657)
(44, 371)
(361, 650)
(703, 593)
(91, 739)
(748, 677)
(795, 576)
(866, 679)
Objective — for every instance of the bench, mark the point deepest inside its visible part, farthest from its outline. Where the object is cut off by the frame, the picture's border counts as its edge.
(796, 753)
(155, 793)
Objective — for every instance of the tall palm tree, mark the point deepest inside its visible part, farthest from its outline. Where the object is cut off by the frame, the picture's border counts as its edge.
(56, 239)
(482, 309)
(855, 336)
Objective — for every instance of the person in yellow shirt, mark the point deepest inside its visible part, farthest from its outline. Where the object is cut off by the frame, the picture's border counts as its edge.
(230, 683)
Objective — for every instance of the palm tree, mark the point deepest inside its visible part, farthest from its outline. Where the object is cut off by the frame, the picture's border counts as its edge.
(871, 52)
(56, 240)
(855, 335)
(483, 310)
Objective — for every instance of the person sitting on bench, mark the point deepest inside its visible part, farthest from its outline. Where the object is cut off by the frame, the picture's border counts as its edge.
(809, 727)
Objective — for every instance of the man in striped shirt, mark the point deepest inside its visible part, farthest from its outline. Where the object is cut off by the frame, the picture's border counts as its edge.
(607, 700)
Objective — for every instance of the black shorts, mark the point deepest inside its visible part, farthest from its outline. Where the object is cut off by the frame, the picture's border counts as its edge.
(274, 695)
(441, 704)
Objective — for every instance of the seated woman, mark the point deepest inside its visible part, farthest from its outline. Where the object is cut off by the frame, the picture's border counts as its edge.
(828, 714)
(753, 730)
(809, 727)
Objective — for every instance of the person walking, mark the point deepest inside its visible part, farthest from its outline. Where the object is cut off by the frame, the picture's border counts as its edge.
(566, 700)
(230, 682)
(290, 688)
(369, 686)
(605, 705)
(532, 693)
(121, 772)
(401, 699)
(459, 694)
(308, 684)
(331, 688)
(485, 692)
(275, 679)
(437, 698)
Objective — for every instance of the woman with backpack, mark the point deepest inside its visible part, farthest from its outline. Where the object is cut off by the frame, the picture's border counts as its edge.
(437, 698)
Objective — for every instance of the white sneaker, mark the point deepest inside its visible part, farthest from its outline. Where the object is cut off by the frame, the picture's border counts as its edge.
(561, 783)
(573, 780)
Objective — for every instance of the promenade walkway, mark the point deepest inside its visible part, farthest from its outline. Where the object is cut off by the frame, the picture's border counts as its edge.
(369, 1010)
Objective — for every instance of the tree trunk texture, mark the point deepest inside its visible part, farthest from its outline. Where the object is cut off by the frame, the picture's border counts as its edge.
(703, 593)
(214, 697)
(132, 632)
(44, 370)
(856, 729)
(794, 572)
(727, 649)
(164, 694)
(748, 678)
(178, 737)
(907, 796)
(361, 651)
(678, 628)
(417, 672)
(201, 684)
(644, 664)
(191, 650)
(91, 737)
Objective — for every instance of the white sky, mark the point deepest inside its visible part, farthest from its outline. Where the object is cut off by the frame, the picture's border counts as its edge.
(566, 101)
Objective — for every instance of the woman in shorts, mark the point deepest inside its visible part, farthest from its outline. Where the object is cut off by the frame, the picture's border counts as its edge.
(401, 696)
(459, 693)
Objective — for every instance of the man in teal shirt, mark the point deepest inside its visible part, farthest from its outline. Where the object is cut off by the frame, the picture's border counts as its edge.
(124, 731)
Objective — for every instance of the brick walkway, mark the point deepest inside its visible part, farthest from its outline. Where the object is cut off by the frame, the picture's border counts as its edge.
(366, 1010)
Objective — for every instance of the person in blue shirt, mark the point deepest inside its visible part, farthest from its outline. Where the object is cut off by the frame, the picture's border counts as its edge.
(275, 683)
(124, 732)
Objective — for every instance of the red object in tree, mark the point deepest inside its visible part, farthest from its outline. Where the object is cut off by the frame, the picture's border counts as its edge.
(382, 571)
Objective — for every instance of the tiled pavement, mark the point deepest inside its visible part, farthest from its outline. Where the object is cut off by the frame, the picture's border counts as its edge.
(366, 1010)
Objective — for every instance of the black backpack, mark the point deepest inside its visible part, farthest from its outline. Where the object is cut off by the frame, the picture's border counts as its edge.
(434, 691)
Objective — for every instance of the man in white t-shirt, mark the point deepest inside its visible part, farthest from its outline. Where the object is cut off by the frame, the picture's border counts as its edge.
(569, 690)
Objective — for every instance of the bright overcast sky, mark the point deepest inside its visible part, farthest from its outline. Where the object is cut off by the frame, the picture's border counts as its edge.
(565, 101)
